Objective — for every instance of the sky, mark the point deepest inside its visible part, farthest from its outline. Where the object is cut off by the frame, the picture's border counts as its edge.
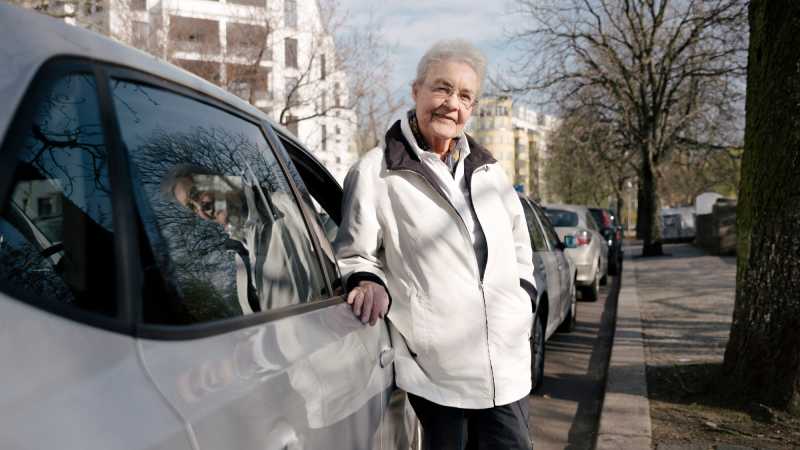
(411, 26)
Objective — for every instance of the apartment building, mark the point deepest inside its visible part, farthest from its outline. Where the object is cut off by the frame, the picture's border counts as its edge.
(276, 54)
(517, 137)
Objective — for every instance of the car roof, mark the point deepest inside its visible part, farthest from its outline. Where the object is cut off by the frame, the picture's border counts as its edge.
(28, 39)
(566, 207)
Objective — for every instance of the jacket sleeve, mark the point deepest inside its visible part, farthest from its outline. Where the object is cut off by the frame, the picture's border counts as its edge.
(522, 237)
(359, 240)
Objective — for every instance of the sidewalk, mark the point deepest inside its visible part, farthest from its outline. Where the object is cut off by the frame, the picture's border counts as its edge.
(672, 310)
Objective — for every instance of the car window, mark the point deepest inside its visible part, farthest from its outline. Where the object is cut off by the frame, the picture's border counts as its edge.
(601, 217)
(590, 222)
(321, 196)
(56, 231)
(537, 238)
(218, 211)
(550, 234)
(562, 218)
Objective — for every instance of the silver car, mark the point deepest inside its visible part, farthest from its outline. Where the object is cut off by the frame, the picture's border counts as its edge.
(165, 277)
(585, 245)
(555, 276)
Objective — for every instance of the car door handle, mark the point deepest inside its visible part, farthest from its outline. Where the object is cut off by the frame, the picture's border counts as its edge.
(386, 357)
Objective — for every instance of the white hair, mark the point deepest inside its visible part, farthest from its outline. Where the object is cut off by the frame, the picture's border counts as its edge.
(452, 50)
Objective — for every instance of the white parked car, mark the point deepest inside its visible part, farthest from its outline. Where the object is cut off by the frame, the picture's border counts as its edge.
(585, 245)
(165, 277)
(556, 307)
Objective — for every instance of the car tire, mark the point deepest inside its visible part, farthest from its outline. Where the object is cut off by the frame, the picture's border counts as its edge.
(568, 325)
(537, 354)
(592, 292)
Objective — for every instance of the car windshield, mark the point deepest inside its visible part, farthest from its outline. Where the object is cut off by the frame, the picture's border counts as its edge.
(562, 218)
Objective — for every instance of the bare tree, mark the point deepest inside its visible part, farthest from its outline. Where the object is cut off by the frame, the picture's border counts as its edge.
(589, 160)
(666, 73)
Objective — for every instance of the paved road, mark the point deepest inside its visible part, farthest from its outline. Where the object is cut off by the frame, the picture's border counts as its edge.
(565, 413)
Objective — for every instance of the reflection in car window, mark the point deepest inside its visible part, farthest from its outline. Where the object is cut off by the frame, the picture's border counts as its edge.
(549, 232)
(323, 223)
(537, 238)
(56, 237)
(218, 211)
(562, 218)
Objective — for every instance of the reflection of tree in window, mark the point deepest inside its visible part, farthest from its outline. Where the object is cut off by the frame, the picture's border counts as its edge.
(226, 224)
(57, 228)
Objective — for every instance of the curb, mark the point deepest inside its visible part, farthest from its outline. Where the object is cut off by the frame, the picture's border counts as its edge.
(625, 415)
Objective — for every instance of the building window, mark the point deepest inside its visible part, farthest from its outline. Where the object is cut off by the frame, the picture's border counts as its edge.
(337, 94)
(541, 120)
(324, 132)
(141, 35)
(290, 13)
(194, 35)
(322, 73)
(248, 41)
(290, 50)
(248, 82)
(139, 5)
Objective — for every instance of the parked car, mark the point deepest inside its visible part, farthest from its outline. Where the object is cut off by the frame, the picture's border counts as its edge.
(585, 245)
(165, 277)
(612, 234)
(555, 274)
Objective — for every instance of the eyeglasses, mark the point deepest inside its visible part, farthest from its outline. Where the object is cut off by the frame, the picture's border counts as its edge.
(442, 91)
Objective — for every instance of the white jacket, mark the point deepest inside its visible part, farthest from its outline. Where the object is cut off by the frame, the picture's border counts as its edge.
(459, 341)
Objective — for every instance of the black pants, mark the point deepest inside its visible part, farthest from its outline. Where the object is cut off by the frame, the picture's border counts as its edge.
(447, 428)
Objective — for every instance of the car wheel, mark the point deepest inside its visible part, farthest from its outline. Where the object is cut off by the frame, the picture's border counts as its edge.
(537, 354)
(570, 321)
(592, 292)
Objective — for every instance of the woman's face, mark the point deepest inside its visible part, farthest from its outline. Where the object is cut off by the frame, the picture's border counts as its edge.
(444, 100)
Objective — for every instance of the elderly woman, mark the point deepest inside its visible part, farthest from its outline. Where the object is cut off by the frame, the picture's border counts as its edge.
(431, 222)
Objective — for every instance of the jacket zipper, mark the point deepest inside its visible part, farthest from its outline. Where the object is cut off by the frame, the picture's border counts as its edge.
(477, 265)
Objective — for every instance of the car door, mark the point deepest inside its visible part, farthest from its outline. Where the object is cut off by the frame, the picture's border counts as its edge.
(399, 428)
(564, 264)
(71, 377)
(241, 329)
(549, 264)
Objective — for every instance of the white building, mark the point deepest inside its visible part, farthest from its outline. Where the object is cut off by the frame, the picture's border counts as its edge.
(276, 54)
(517, 136)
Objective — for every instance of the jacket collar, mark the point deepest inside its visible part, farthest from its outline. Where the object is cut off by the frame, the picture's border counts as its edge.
(399, 154)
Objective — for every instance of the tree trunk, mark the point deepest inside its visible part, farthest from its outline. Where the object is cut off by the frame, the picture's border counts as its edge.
(762, 359)
(648, 215)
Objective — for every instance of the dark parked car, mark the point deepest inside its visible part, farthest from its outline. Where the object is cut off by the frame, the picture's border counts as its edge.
(612, 233)
(165, 277)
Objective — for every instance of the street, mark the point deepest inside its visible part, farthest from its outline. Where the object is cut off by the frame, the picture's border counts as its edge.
(565, 412)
